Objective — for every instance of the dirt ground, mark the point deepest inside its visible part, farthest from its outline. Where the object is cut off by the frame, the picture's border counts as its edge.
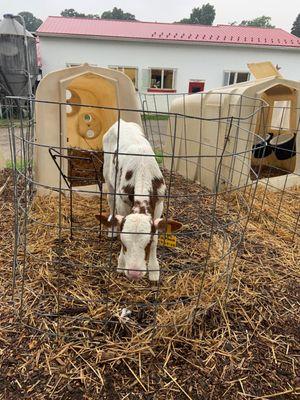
(247, 350)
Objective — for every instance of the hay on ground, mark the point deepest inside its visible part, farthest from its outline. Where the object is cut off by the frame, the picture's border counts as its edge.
(244, 342)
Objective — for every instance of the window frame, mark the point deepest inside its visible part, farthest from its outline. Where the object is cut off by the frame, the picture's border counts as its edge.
(162, 89)
(235, 72)
(121, 68)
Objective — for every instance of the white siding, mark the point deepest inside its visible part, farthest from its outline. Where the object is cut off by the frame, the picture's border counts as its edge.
(191, 61)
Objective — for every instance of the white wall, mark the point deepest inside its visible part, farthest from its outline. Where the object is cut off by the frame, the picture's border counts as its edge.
(191, 61)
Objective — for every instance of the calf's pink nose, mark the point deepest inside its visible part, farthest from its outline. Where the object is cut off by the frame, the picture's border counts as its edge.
(134, 274)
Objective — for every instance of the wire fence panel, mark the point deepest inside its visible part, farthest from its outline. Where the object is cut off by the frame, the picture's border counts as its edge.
(66, 267)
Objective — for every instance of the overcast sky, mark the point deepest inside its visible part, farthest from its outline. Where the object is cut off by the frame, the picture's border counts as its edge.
(283, 12)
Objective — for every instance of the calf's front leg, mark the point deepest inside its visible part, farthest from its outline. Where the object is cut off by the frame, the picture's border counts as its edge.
(121, 263)
(112, 231)
(153, 265)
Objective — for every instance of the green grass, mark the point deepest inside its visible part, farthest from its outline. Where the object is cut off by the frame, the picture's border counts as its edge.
(4, 123)
(155, 117)
(20, 165)
(159, 155)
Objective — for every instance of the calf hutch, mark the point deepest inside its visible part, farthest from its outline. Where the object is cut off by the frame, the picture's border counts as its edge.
(74, 108)
(261, 115)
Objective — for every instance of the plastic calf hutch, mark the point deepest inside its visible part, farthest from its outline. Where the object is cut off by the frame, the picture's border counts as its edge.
(74, 108)
(263, 112)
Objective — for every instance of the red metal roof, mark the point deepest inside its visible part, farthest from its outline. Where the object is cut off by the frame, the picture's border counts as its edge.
(134, 30)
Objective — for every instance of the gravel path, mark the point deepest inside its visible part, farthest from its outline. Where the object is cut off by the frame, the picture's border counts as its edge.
(4, 144)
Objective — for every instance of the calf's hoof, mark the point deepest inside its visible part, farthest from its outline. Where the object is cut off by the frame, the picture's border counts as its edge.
(154, 276)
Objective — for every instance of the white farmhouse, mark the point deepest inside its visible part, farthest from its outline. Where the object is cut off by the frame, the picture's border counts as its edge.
(168, 58)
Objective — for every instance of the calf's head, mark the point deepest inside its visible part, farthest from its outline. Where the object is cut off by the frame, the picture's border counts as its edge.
(137, 232)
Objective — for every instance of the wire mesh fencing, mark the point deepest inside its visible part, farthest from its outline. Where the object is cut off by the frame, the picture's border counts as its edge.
(65, 279)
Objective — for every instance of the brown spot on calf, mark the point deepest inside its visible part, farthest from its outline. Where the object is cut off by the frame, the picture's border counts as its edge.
(122, 224)
(129, 189)
(156, 185)
(115, 157)
(141, 208)
(128, 175)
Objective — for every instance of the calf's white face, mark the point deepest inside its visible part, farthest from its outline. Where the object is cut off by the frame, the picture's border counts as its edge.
(136, 236)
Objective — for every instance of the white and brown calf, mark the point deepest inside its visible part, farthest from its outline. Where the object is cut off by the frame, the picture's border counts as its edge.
(135, 196)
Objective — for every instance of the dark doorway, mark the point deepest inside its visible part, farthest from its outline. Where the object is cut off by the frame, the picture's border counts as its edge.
(196, 86)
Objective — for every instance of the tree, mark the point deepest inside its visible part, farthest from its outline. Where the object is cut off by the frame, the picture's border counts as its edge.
(296, 27)
(115, 13)
(31, 22)
(185, 21)
(118, 13)
(202, 16)
(71, 13)
(261, 22)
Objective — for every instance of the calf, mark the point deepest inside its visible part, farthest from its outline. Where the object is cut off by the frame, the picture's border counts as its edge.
(135, 196)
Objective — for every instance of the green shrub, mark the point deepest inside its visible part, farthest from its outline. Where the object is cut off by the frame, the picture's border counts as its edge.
(159, 156)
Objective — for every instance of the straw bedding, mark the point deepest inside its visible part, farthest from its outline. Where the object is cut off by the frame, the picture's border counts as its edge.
(74, 341)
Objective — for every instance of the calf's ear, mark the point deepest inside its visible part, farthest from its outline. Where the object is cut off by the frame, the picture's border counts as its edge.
(161, 224)
(109, 220)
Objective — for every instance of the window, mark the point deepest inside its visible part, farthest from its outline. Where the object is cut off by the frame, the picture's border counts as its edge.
(232, 77)
(162, 79)
(131, 72)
